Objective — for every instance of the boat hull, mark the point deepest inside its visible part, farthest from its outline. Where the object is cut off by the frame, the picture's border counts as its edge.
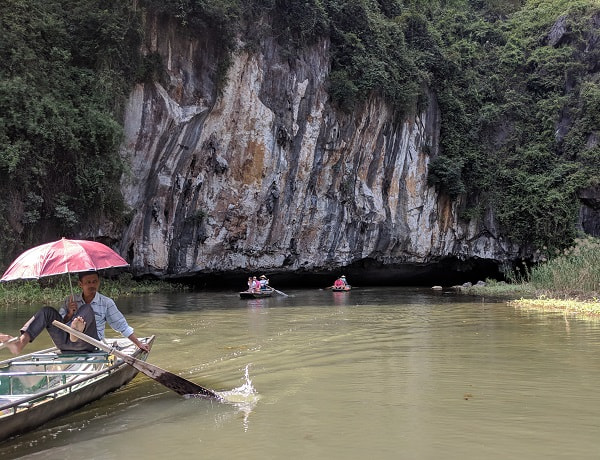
(255, 295)
(343, 289)
(56, 401)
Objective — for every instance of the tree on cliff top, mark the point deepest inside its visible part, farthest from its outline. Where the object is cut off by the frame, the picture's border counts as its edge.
(67, 68)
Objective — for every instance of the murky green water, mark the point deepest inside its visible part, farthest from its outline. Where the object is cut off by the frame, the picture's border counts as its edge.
(375, 373)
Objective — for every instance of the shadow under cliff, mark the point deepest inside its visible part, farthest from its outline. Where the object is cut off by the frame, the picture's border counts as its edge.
(447, 272)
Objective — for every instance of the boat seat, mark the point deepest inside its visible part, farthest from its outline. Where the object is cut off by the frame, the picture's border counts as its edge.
(10, 398)
(44, 373)
(66, 358)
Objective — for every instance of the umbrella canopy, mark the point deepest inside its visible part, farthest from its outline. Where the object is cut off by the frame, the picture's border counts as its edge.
(63, 256)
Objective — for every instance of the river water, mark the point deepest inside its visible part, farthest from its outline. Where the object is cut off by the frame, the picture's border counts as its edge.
(378, 373)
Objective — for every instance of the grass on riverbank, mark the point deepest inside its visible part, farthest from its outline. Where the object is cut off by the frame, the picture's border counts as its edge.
(532, 298)
(52, 291)
(590, 308)
(568, 282)
(502, 289)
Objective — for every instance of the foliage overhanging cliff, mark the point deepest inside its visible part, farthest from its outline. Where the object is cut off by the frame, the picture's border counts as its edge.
(516, 83)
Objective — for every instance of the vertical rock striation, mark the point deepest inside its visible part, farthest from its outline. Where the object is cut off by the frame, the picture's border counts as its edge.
(266, 174)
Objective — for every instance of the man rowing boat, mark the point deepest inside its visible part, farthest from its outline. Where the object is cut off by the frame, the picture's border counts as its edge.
(87, 313)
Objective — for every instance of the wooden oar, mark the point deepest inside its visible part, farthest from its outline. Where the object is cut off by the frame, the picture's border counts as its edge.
(279, 292)
(173, 382)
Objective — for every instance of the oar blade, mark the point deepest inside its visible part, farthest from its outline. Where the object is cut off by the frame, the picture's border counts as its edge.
(184, 387)
(172, 381)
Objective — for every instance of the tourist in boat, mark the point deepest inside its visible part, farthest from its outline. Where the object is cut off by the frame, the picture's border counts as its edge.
(264, 283)
(255, 284)
(339, 284)
(87, 312)
(250, 284)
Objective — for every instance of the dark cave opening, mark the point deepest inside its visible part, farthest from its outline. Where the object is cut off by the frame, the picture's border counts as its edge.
(446, 272)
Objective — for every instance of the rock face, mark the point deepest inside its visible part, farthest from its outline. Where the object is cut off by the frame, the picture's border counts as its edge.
(266, 175)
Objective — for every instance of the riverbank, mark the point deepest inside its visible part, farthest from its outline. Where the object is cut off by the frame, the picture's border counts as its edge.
(585, 308)
(52, 291)
(527, 296)
(567, 281)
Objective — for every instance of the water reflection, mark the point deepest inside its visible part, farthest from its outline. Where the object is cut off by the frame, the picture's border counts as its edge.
(340, 298)
(256, 303)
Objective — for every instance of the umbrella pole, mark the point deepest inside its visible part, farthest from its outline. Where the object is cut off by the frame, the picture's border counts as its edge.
(71, 286)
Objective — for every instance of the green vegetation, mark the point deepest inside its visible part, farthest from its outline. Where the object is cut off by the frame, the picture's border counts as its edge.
(567, 281)
(515, 132)
(501, 289)
(584, 308)
(67, 68)
(53, 290)
(514, 79)
(574, 271)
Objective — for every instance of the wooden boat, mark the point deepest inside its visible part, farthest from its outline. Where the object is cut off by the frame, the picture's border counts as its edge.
(341, 289)
(256, 294)
(41, 386)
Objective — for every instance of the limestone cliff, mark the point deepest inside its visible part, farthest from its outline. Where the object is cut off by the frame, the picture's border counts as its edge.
(267, 175)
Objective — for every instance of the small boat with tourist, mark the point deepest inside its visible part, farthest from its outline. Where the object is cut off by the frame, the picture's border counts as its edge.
(38, 387)
(258, 288)
(340, 285)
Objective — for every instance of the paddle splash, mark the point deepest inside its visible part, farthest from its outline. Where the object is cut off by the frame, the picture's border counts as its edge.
(244, 398)
(244, 394)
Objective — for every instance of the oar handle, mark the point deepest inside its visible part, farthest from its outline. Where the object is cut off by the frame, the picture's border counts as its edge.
(88, 339)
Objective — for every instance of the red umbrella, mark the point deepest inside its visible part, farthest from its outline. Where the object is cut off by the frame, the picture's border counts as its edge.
(63, 256)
